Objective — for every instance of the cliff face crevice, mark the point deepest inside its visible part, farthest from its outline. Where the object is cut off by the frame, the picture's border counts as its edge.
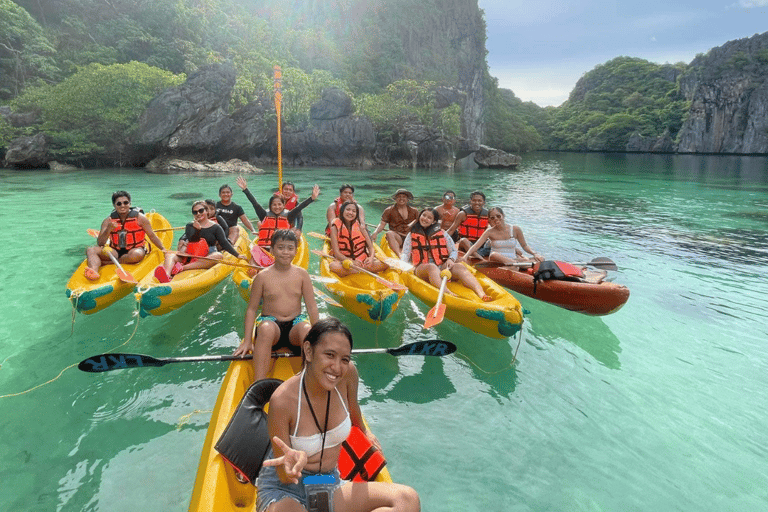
(728, 91)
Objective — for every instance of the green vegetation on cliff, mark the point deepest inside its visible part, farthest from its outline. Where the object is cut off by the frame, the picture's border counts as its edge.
(365, 47)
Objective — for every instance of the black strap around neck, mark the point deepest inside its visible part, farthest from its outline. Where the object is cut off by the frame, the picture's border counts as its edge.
(317, 423)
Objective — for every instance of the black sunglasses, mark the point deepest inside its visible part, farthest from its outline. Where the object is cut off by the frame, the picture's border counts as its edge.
(198, 212)
(122, 203)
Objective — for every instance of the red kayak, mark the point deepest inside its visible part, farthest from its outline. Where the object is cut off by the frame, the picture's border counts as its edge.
(590, 295)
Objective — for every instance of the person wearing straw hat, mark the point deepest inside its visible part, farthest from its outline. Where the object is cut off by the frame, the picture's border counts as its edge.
(399, 218)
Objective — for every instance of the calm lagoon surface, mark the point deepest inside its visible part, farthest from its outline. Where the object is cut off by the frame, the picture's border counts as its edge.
(660, 406)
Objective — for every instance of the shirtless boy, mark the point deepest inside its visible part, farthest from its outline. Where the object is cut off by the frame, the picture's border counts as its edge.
(281, 323)
(448, 210)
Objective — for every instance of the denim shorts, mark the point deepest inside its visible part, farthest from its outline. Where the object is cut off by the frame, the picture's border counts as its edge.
(271, 489)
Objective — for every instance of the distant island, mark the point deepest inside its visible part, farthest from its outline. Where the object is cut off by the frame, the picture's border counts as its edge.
(394, 83)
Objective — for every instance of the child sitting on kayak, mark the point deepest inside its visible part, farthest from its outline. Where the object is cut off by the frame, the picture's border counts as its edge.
(429, 248)
(281, 325)
(346, 195)
(351, 245)
(277, 217)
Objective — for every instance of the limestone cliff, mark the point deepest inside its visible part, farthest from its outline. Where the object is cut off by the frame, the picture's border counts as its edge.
(728, 91)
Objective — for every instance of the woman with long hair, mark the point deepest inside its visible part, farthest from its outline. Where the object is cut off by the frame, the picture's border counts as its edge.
(310, 416)
(430, 249)
(351, 244)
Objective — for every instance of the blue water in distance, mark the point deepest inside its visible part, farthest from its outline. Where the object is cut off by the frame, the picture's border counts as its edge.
(659, 406)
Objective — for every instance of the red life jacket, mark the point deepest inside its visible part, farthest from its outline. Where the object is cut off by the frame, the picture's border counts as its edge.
(199, 248)
(359, 460)
(423, 249)
(291, 203)
(351, 244)
(128, 235)
(474, 225)
(269, 225)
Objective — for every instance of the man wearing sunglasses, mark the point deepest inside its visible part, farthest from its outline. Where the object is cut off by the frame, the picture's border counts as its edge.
(125, 229)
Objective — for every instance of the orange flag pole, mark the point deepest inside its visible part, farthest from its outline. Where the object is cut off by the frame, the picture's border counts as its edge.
(278, 105)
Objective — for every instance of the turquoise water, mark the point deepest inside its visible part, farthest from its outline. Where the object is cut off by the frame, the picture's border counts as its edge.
(660, 406)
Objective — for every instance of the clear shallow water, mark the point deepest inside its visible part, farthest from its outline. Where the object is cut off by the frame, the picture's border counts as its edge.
(660, 406)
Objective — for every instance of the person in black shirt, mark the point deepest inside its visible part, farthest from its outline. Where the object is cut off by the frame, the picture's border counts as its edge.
(231, 212)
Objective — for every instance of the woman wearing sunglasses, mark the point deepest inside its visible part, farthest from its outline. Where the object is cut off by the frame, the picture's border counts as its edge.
(202, 235)
(507, 242)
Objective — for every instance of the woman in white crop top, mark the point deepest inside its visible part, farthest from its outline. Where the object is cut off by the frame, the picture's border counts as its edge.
(504, 241)
(310, 415)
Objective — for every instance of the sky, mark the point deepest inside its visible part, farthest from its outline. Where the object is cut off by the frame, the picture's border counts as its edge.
(540, 48)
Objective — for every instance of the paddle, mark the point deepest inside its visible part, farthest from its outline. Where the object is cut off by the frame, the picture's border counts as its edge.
(124, 275)
(601, 262)
(392, 262)
(327, 298)
(244, 265)
(385, 282)
(116, 361)
(95, 233)
(437, 313)
(261, 256)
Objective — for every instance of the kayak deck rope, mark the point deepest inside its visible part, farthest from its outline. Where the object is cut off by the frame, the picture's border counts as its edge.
(135, 313)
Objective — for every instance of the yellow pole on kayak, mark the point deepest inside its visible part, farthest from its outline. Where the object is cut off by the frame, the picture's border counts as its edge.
(278, 105)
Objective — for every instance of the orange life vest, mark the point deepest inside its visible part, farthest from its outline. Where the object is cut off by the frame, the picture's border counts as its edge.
(291, 203)
(351, 243)
(359, 460)
(474, 225)
(338, 202)
(423, 249)
(269, 225)
(128, 235)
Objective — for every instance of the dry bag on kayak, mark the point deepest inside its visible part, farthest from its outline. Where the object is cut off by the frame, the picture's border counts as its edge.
(245, 442)
(559, 270)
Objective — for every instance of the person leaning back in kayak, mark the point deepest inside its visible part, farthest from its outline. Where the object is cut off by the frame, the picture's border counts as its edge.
(400, 216)
(231, 212)
(282, 286)
(310, 416)
(470, 223)
(125, 229)
(346, 195)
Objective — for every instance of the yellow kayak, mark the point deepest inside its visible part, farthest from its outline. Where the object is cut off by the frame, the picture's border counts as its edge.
(156, 298)
(502, 317)
(361, 294)
(216, 485)
(91, 296)
(243, 280)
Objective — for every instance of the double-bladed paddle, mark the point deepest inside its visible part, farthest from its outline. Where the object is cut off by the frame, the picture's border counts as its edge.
(116, 361)
(95, 232)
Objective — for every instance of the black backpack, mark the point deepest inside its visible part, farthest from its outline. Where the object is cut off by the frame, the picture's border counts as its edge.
(556, 270)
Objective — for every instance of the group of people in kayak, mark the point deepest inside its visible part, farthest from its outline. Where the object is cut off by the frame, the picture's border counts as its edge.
(429, 239)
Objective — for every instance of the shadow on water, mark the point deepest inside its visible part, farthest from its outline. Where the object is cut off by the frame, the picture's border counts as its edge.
(589, 333)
